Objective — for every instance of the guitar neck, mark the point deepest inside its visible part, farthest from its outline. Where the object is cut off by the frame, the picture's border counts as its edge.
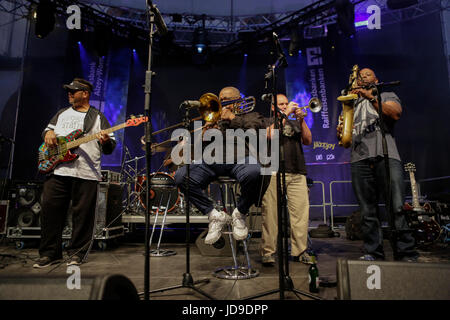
(415, 195)
(78, 142)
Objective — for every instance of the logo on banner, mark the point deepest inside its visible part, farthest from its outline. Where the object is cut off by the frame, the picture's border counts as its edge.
(314, 56)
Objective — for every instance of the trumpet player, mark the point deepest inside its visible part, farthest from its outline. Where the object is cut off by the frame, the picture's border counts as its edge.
(296, 189)
(247, 174)
(368, 168)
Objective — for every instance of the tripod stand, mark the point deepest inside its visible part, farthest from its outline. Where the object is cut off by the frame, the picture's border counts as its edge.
(285, 281)
(188, 281)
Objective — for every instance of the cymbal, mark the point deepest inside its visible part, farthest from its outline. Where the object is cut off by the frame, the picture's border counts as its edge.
(157, 149)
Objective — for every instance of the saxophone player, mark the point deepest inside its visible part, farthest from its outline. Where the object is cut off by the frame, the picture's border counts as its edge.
(368, 168)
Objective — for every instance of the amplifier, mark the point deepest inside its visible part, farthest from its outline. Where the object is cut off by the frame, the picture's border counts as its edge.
(392, 280)
(110, 176)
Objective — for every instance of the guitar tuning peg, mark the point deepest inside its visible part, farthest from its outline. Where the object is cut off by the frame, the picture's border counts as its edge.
(132, 116)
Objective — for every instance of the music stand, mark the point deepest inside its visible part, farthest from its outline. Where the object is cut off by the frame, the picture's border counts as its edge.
(285, 281)
(188, 281)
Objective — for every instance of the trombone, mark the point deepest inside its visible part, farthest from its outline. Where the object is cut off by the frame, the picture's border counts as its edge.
(210, 109)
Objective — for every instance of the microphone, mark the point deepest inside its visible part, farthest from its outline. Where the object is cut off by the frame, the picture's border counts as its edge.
(267, 97)
(159, 20)
(191, 104)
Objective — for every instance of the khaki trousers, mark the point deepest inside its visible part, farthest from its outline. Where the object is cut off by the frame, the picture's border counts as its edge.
(298, 208)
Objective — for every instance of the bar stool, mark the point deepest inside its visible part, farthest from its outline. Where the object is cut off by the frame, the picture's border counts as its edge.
(235, 272)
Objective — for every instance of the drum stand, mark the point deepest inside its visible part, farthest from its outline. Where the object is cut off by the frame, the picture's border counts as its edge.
(161, 252)
(133, 203)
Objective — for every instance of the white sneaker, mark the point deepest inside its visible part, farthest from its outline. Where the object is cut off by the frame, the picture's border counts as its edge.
(240, 230)
(216, 222)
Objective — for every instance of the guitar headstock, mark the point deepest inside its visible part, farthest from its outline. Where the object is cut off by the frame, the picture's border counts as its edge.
(135, 121)
(410, 167)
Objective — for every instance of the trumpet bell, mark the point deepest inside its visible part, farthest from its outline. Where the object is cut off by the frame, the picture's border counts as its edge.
(315, 105)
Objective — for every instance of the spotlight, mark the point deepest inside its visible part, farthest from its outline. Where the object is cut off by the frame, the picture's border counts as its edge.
(79, 42)
(346, 16)
(45, 18)
(296, 41)
(245, 55)
(200, 42)
(134, 50)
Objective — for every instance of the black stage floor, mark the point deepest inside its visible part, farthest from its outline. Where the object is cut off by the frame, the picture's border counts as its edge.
(127, 258)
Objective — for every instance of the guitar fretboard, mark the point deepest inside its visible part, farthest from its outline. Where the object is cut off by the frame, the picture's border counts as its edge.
(415, 195)
(76, 143)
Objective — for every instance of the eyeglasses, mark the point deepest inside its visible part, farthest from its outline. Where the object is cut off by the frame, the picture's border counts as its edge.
(73, 91)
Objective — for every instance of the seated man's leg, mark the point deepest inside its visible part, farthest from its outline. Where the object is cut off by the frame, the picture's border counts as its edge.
(250, 178)
(201, 176)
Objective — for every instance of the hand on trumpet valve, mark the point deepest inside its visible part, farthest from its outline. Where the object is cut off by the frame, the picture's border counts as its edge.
(227, 113)
(299, 113)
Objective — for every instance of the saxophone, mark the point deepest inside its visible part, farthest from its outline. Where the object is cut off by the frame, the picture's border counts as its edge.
(348, 103)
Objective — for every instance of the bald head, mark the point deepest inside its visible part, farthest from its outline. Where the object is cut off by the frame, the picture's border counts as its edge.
(368, 76)
(229, 93)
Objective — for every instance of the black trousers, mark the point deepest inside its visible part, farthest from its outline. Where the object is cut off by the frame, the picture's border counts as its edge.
(57, 194)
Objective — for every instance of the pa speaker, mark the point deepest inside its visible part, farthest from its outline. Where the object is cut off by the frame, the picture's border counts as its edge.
(219, 249)
(386, 280)
(107, 287)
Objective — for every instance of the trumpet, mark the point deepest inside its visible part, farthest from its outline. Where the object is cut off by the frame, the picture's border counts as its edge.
(314, 104)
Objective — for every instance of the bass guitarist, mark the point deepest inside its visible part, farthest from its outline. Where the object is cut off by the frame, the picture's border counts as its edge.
(74, 181)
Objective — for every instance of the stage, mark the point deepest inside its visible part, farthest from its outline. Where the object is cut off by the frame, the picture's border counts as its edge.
(127, 258)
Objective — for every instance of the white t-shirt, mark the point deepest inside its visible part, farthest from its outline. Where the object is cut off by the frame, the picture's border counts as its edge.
(87, 165)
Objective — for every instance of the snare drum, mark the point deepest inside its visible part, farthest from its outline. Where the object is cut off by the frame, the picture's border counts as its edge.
(163, 188)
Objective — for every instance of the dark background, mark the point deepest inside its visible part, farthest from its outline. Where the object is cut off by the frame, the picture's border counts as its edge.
(411, 52)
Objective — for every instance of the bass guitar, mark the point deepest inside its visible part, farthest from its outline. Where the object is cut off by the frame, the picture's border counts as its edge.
(50, 157)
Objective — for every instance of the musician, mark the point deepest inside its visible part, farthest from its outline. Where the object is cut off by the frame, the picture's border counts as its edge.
(296, 188)
(368, 168)
(248, 175)
(74, 181)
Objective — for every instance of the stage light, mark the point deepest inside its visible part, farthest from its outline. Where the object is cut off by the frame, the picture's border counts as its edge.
(103, 39)
(296, 40)
(200, 42)
(134, 50)
(346, 16)
(245, 55)
(45, 18)
(79, 42)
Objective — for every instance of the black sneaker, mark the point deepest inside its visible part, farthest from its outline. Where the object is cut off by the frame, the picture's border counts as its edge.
(45, 262)
(75, 261)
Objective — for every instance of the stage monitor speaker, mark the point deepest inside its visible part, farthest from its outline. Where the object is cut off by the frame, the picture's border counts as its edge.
(219, 249)
(390, 280)
(25, 205)
(32, 287)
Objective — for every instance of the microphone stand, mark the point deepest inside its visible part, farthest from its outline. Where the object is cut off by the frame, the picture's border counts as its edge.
(387, 181)
(188, 281)
(148, 153)
(285, 281)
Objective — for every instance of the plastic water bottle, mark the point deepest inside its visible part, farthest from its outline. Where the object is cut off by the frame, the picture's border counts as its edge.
(313, 274)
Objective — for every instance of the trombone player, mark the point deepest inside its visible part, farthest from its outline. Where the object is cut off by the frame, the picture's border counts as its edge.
(296, 187)
(247, 174)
